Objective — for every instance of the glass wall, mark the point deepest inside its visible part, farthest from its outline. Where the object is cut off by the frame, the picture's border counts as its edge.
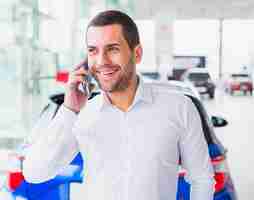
(40, 37)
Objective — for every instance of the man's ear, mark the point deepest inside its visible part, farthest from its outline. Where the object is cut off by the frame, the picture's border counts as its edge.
(138, 52)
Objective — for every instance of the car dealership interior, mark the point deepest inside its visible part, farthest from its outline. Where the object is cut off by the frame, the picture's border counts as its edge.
(205, 48)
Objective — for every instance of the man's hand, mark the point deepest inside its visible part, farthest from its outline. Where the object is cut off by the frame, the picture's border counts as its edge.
(75, 99)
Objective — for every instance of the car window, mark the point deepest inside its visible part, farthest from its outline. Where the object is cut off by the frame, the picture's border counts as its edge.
(198, 76)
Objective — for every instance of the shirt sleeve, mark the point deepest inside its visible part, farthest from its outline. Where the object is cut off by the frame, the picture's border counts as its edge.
(53, 150)
(194, 154)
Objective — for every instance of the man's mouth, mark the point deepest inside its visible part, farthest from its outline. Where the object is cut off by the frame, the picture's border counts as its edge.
(107, 74)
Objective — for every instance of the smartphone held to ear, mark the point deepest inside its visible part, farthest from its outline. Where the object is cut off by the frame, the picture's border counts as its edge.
(86, 86)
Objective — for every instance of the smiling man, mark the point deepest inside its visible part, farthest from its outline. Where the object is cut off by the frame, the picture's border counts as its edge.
(112, 58)
(132, 135)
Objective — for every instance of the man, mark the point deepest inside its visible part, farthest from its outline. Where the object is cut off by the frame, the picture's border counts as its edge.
(132, 135)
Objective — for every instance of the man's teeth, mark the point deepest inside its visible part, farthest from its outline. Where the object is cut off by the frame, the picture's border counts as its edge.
(106, 73)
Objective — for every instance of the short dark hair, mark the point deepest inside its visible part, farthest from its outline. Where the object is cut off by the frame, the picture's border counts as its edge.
(110, 17)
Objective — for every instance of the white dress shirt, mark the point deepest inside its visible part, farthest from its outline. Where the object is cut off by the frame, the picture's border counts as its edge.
(129, 155)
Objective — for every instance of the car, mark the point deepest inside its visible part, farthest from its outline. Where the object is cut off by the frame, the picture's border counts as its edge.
(201, 79)
(239, 82)
(151, 75)
(224, 187)
(173, 84)
(185, 87)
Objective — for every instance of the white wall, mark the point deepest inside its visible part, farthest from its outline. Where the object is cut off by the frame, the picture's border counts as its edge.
(147, 36)
(198, 38)
(238, 44)
(201, 37)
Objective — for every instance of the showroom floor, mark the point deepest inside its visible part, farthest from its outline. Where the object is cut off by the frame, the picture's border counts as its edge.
(237, 136)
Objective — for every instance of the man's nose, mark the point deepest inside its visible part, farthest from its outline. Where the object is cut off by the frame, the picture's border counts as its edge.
(102, 58)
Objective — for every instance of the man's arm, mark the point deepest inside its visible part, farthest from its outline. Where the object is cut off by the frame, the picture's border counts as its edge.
(194, 154)
(58, 146)
(53, 150)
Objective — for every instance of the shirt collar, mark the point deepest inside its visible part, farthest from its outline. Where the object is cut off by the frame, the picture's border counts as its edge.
(143, 94)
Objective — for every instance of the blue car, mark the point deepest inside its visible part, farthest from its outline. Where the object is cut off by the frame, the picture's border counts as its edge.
(57, 188)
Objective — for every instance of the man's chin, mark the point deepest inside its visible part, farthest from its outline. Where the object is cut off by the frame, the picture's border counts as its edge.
(113, 87)
(106, 88)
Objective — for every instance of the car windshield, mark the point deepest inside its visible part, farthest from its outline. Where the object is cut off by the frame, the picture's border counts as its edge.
(198, 76)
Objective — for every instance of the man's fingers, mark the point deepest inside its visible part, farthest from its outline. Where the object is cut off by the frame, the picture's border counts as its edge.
(82, 64)
(80, 72)
(77, 78)
(78, 75)
(74, 83)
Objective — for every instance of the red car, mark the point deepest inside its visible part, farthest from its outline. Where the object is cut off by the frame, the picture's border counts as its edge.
(239, 82)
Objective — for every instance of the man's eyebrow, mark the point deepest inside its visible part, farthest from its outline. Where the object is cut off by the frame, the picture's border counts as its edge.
(108, 45)
(91, 46)
(113, 44)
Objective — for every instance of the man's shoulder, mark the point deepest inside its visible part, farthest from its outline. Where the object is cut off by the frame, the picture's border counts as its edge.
(90, 113)
(95, 102)
(164, 90)
(92, 106)
(168, 100)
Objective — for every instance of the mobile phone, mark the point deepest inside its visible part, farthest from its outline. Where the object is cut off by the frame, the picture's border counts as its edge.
(86, 86)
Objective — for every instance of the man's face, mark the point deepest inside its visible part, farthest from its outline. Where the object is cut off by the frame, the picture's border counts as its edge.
(110, 59)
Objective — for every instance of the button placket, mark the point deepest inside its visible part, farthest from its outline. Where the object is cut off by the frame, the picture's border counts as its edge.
(124, 156)
(127, 150)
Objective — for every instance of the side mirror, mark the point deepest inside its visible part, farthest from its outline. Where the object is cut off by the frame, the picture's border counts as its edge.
(218, 121)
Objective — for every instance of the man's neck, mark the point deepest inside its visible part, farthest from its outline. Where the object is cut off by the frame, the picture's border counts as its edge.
(124, 99)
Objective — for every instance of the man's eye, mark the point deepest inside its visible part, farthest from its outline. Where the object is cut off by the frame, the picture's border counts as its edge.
(91, 51)
(113, 49)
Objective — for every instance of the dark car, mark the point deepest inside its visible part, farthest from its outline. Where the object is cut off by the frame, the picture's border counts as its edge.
(224, 188)
(239, 82)
(201, 79)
